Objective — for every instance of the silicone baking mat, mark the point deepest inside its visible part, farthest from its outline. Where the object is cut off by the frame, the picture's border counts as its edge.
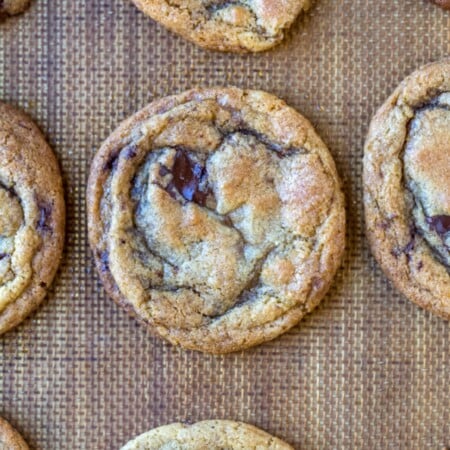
(366, 370)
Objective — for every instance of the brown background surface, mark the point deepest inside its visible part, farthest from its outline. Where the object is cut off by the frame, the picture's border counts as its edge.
(366, 370)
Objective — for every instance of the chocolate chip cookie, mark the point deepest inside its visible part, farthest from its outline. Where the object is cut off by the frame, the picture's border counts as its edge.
(236, 26)
(209, 434)
(407, 187)
(445, 4)
(12, 7)
(31, 216)
(10, 439)
(216, 217)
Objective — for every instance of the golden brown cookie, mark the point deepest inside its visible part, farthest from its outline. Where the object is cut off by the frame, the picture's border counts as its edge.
(31, 216)
(12, 7)
(407, 187)
(238, 26)
(10, 439)
(207, 435)
(445, 4)
(216, 217)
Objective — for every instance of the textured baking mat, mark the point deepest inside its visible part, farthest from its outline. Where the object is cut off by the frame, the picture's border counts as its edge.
(366, 370)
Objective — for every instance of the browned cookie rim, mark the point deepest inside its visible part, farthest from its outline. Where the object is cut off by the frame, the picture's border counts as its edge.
(9, 8)
(444, 4)
(10, 437)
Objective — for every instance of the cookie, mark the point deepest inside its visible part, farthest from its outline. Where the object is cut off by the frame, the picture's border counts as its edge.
(207, 435)
(216, 217)
(445, 4)
(242, 26)
(31, 216)
(407, 187)
(10, 439)
(12, 7)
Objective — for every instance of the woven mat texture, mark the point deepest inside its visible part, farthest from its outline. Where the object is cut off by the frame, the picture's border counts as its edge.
(366, 370)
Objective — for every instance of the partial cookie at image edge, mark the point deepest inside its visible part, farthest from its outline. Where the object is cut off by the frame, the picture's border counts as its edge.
(400, 197)
(232, 27)
(10, 439)
(30, 181)
(211, 434)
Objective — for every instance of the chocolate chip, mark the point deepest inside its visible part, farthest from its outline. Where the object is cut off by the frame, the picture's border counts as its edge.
(3, 256)
(130, 151)
(45, 213)
(43, 285)
(385, 224)
(406, 250)
(409, 246)
(104, 260)
(111, 163)
(440, 224)
(189, 178)
(163, 171)
(172, 190)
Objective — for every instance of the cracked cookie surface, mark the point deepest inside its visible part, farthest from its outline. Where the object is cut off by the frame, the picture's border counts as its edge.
(216, 216)
(12, 7)
(31, 216)
(10, 439)
(207, 435)
(237, 26)
(407, 187)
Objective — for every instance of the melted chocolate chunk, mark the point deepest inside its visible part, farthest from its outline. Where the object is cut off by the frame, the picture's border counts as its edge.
(189, 178)
(440, 224)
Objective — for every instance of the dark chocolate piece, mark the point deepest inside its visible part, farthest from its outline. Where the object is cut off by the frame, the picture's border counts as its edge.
(440, 224)
(45, 213)
(189, 178)
(130, 151)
